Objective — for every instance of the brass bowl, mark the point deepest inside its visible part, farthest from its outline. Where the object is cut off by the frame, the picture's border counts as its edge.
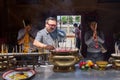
(116, 56)
(102, 64)
(117, 63)
(64, 59)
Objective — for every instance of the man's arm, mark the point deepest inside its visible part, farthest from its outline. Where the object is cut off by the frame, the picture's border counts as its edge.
(42, 45)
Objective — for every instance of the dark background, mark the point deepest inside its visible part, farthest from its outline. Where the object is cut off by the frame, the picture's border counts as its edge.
(12, 12)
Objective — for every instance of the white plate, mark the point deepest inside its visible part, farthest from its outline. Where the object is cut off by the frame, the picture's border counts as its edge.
(9, 73)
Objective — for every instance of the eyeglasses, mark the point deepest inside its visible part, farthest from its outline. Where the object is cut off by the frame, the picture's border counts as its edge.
(51, 24)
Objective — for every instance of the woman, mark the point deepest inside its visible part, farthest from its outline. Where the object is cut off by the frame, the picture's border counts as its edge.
(94, 39)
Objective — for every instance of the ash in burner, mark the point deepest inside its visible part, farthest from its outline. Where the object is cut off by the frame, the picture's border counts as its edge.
(65, 49)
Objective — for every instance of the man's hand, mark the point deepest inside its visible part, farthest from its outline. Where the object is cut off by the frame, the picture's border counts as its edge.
(49, 47)
(27, 28)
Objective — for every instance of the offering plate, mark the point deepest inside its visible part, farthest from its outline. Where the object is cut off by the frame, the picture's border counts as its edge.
(19, 74)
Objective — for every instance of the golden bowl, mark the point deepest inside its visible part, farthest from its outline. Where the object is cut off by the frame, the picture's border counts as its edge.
(117, 63)
(102, 64)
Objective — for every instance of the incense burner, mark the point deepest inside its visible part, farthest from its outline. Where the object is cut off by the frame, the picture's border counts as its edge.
(116, 60)
(64, 59)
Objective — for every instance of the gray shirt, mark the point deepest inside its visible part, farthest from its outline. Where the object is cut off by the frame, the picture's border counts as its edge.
(49, 38)
(91, 43)
(45, 37)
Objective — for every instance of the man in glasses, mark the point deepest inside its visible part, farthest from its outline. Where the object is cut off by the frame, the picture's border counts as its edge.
(46, 37)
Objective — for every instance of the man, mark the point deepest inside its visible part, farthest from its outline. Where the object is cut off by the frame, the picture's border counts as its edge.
(77, 35)
(26, 36)
(46, 37)
(25, 39)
